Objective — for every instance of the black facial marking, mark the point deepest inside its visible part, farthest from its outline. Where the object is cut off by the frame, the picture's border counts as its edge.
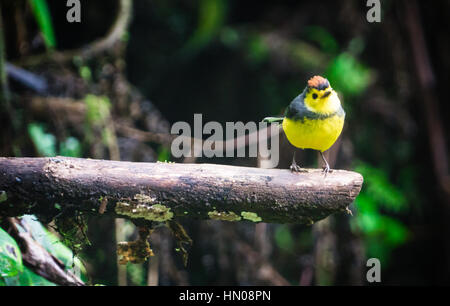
(326, 94)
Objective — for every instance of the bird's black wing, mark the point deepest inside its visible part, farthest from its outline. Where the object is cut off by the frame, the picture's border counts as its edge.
(298, 111)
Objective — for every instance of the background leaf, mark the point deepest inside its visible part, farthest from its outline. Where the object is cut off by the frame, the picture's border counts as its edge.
(10, 256)
(45, 142)
(53, 245)
(44, 20)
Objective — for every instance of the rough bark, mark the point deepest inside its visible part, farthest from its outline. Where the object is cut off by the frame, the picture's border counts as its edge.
(161, 191)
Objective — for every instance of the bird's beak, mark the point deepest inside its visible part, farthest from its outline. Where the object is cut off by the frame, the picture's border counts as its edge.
(326, 94)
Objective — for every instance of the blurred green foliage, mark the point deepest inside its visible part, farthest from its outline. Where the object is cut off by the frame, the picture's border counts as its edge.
(72, 230)
(163, 154)
(52, 244)
(10, 256)
(12, 270)
(136, 273)
(29, 278)
(44, 20)
(257, 49)
(86, 73)
(230, 37)
(70, 147)
(323, 38)
(283, 238)
(97, 116)
(378, 198)
(348, 75)
(45, 143)
(211, 17)
(97, 109)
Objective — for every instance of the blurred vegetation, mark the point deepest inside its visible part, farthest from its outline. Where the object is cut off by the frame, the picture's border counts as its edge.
(46, 145)
(381, 232)
(12, 270)
(44, 20)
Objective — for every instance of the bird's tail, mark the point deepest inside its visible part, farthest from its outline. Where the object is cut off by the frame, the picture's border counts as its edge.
(273, 119)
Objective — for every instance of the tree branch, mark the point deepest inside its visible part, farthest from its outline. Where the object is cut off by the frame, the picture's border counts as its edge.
(161, 191)
(74, 112)
(39, 260)
(116, 32)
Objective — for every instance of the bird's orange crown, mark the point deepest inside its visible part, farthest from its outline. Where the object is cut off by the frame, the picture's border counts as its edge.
(318, 83)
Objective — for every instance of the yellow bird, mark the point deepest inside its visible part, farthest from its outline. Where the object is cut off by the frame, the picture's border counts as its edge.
(313, 120)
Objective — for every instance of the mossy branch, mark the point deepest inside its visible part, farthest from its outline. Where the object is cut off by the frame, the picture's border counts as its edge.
(162, 191)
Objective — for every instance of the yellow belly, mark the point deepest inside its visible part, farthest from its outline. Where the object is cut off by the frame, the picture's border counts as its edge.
(313, 134)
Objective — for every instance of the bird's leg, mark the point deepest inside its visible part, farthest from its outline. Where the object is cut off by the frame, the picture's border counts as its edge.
(327, 168)
(294, 167)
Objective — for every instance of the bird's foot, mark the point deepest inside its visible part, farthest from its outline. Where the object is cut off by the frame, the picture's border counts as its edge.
(296, 168)
(326, 170)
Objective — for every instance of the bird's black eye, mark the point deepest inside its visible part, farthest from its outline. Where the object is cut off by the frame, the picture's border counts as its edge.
(314, 96)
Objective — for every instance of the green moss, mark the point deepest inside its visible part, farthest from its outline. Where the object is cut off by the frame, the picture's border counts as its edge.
(144, 199)
(135, 252)
(156, 212)
(224, 216)
(73, 229)
(251, 216)
(3, 196)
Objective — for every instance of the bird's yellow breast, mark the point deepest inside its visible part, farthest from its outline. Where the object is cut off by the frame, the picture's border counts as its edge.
(317, 134)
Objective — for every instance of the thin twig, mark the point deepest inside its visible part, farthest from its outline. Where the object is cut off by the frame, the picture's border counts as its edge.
(115, 34)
